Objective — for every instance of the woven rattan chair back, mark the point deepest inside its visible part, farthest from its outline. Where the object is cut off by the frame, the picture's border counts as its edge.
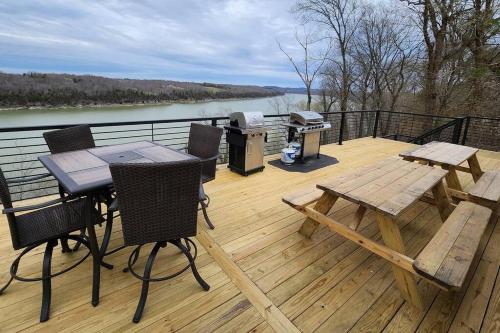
(158, 201)
(6, 201)
(69, 139)
(204, 140)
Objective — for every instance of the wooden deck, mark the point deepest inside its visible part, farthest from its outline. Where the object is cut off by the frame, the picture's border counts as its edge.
(326, 284)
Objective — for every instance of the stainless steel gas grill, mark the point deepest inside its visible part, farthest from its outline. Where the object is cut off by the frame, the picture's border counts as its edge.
(305, 127)
(246, 135)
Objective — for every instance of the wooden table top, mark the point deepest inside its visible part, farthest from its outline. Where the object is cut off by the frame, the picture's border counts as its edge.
(82, 171)
(389, 186)
(441, 152)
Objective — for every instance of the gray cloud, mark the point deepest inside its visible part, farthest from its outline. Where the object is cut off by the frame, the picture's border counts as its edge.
(218, 40)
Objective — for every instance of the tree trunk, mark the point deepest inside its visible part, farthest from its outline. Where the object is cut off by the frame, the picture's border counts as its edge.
(309, 98)
(430, 87)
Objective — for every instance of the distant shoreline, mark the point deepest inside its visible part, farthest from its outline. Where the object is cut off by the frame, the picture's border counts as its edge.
(118, 105)
(32, 90)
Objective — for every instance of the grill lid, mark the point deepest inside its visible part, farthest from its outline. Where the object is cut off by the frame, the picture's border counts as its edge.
(247, 119)
(306, 117)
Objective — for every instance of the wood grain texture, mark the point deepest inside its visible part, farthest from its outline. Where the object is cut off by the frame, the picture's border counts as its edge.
(441, 152)
(449, 254)
(390, 188)
(326, 281)
(487, 188)
(323, 205)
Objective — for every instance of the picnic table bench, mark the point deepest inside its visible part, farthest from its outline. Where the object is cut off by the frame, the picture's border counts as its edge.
(390, 187)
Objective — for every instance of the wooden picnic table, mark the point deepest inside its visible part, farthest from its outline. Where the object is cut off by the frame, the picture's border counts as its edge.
(389, 187)
(450, 157)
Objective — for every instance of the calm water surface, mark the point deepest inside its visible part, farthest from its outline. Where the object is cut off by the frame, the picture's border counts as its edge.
(89, 115)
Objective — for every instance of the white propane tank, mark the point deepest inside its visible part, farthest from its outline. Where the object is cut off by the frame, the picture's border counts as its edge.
(287, 156)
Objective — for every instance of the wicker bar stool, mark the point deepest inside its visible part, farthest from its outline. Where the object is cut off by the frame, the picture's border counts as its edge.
(45, 223)
(204, 142)
(158, 204)
(77, 138)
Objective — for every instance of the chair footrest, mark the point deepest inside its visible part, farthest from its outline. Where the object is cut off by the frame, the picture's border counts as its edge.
(448, 256)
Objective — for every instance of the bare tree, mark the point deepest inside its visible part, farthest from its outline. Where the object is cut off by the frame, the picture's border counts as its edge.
(310, 65)
(342, 17)
(329, 90)
(363, 83)
(436, 19)
(481, 28)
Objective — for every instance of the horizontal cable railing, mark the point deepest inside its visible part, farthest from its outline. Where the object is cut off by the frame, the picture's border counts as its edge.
(20, 147)
(481, 132)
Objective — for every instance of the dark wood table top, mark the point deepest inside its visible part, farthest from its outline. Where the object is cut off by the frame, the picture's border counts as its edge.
(86, 170)
(441, 152)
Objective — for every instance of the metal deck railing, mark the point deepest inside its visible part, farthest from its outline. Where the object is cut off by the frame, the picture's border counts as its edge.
(20, 147)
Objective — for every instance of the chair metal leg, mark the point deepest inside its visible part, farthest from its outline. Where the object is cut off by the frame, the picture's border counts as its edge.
(106, 238)
(46, 281)
(14, 267)
(145, 282)
(65, 246)
(197, 276)
(135, 256)
(205, 214)
(77, 245)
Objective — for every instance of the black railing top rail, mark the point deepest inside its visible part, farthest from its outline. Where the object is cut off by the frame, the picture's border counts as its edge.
(181, 120)
(483, 118)
(419, 139)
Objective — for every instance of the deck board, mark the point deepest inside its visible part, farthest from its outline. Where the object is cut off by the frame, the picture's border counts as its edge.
(324, 283)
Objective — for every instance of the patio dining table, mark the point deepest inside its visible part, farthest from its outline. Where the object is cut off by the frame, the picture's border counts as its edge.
(390, 188)
(450, 157)
(86, 173)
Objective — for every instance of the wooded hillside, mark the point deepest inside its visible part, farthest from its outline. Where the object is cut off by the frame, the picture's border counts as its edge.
(38, 89)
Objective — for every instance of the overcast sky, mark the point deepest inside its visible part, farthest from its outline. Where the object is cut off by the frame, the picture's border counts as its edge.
(231, 41)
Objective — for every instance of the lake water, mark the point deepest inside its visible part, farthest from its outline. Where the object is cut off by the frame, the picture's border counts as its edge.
(19, 151)
(89, 115)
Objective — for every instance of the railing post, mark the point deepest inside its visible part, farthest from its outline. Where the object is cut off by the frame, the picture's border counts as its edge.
(341, 132)
(214, 122)
(375, 126)
(360, 130)
(152, 132)
(466, 130)
(457, 130)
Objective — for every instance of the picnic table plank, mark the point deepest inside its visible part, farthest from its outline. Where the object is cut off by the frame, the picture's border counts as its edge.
(356, 179)
(348, 178)
(385, 185)
(441, 152)
(401, 201)
(447, 257)
(390, 180)
(303, 197)
(487, 188)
